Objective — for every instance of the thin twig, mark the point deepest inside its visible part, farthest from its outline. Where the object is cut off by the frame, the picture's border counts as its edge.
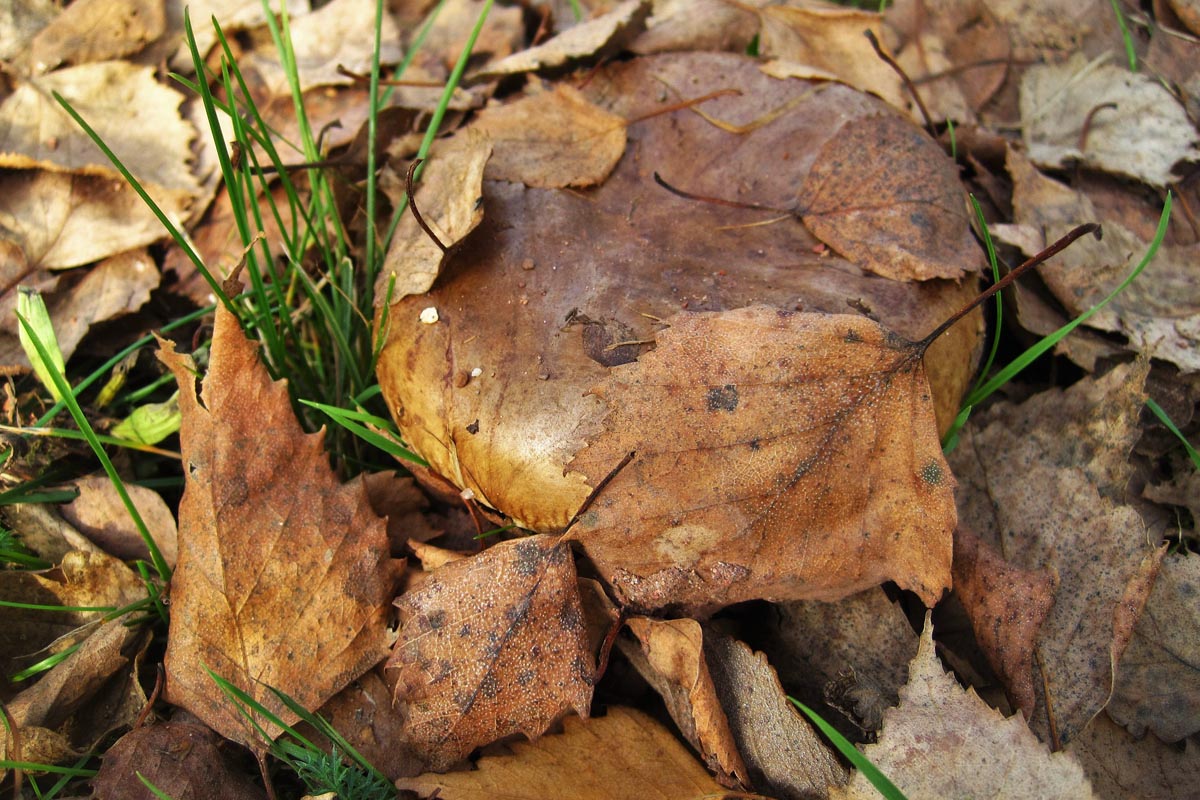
(412, 204)
(908, 84)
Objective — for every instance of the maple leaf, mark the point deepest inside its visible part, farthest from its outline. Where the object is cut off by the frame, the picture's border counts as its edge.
(284, 577)
(780, 456)
(492, 645)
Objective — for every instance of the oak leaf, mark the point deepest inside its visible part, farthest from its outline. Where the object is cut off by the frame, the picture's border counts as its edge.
(777, 455)
(944, 741)
(625, 755)
(492, 645)
(284, 577)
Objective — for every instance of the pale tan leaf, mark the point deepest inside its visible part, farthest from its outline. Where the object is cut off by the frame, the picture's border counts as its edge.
(625, 755)
(552, 139)
(1121, 767)
(20, 21)
(1135, 126)
(284, 577)
(448, 199)
(713, 25)
(492, 645)
(777, 455)
(943, 741)
(96, 30)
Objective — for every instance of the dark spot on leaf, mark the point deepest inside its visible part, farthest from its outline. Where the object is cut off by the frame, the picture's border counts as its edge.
(435, 619)
(754, 444)
(473, 428)
(526, 677)
(489, 687)
(528, 558)
(570, 618)
(932, 473)
(722, 398)
(852, 337)
(465, 630)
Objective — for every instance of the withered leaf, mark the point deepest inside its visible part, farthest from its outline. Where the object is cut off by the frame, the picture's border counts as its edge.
(492, 645)
(778, 455)
(1121, 766)
(100, 514)
(943, 741)
(1044, 483)
(284, 577)
(96, 30)
(625, 755)
(856, 206)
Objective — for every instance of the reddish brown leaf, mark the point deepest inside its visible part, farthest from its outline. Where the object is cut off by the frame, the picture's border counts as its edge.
(777, 455)
(284, 577)
(491, 646)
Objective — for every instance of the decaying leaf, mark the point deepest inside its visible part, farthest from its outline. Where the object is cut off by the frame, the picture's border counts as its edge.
(182, 759)
(786, 756)
(284, 577)
(20, 22)
(776, 455)
(99, 513)
(367, 716)
(96, 30)
(1120, 766)
(943, 741)
(491, 646)
(605, 32)
(698, 25)
(672, 661)
(625, 755)
(1044, 482)
(1006, 605)
(832, 39)
(857, 207)
(1159, 312)
(1158, 681)
(448, 199)
(553, 139)
(1105, 117)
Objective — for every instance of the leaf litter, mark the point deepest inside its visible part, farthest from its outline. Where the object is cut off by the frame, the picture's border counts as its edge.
(587, 312)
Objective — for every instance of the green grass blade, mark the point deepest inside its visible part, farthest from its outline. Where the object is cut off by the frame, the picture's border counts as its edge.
(351, 421)
(1126, 36)
(871, 772)
(31, 766)
(1170, 425)
(994, 262)
(154, 790)
(1030, 355)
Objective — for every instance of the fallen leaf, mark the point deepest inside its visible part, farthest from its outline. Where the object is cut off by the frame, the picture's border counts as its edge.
(1105, 117)
(1159, 313)
(369, 719)
(99, 513)
(1044, 482)
(1007, 606)
(1045, 29)
(233, 16)
(1121, 767)
(786, 756)
(856, 206)
(604, 33)
(625, 755)
(448, 200)
(943, 741)
(59, 220)
(397, 497)
(555, 286)
(96, 30)
(136, 116)
(284, 576)
(672, 661)
(552, 139)
(832, 39)
(698, 25)
(853, 653)
(779, 455)
(21, 21)
(182, 759)
(491, 646)
(1158, 680)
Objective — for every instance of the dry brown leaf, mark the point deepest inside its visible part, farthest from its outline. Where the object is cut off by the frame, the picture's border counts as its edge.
(59, 220)
(182, 759)
(786, 756)
(448, 199)
(99, 514)
(943, 741)
(20, 21)
(853, 653)
(604, 33)
(397, 497)
(1159, 313)
(491, 646)
(1158, 681)
(625, 755)
(778, 456)
(116, 286)
(672, 661)
(832, 39)
(1045, 29)
(233, 15)
(284, 577)
(855, 204)
(1006, 605)
(1121, 767)
(1044, 482)
(96, 30)
(552, 139)
(367, 717)
(698, 25)
(1134, 125)
(451, 26)
(136, 116)
(497, 402)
